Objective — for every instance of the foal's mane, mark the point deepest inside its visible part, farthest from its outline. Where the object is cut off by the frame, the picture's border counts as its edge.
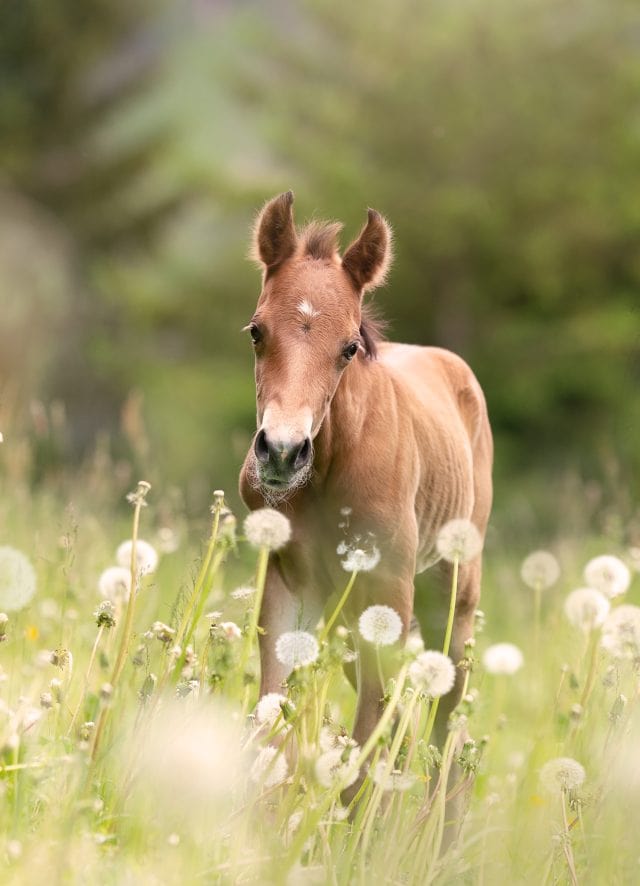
(319, 240)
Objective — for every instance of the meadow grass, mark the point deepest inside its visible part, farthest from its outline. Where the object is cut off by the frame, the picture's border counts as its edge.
(130, 753)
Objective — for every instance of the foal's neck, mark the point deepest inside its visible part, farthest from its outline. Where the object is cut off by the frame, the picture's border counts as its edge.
(343, 425)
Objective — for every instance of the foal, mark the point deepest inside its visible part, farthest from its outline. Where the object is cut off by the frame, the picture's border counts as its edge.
(396, 433)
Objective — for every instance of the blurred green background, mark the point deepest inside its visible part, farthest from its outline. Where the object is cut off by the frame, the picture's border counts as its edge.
(500, 137)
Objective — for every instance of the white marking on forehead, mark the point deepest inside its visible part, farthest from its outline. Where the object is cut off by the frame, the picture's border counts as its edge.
(307, 310)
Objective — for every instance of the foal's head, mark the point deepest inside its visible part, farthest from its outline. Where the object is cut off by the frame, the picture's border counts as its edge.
(307, 328)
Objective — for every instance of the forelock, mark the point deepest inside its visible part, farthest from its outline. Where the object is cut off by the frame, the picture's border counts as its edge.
(319, 240)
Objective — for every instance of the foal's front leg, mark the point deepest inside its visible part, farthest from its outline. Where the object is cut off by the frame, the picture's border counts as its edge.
(280, 612)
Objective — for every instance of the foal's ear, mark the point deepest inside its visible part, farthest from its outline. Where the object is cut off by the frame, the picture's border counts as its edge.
(274, 234)
(368, 258)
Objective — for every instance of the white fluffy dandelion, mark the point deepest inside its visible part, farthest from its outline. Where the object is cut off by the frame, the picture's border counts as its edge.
(231, 630)
(607, 574)
(433, 673)
(359, 560)
(269, 768)
(115, 583)
(621, 632)
(459, 540)
(380, 625)
(17, 579)
(562, 774)
(267, 528)
(396, 780)
(502, 658)
(337, 767)
(245, 592)
(586, 608)
(146, 556)
(297, 649)
(540, 570)
(269, 708)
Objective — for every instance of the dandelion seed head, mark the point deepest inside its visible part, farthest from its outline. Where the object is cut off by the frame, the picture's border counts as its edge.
(502, 658)
(433, 673)
(562, 774)
(269, 768)
(243, 593)
(607, 574)
(191, 760)
(396, 780)
(459, 539)
(296, 649)
(586, 608)
(337, 767)
(621, 632)
(380, 625)
(267, 528)
(105, 614)
(359, 560)
(269, 708)
(17, 579)
(414, 644)
(146, 556)
(231, 630)
(540, 570)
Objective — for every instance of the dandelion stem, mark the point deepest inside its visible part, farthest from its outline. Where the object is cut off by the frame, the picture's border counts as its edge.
(128, 626)
(452, 607)
(336, 612)
(87, 676)
(566, 843)
(252, 630)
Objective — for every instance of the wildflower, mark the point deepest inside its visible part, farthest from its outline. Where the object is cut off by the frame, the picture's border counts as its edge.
(621, 632)
(433, 673)
(562, 774)
(105, 614)
(230, 630)
(269, 768)
(396, 780)
(168, 540)
(297, 649)
(163, 632)
(459, 540)
(63, 659)
(115, 583)
(146, 556)
(586, 608)
(46, 700)
(502, 658)
(358, 560)
(337, 767)
(380, 625)
(414, 644)
(4, 621)
(272, 706)
(540, 570)
(267, 528)
(139, 495)
(608, 575)
(17, 579)
(243, 593)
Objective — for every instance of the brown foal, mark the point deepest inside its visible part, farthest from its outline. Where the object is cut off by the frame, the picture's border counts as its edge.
(396, 433)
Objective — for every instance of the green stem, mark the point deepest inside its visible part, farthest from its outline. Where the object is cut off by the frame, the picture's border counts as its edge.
(336, 612)
(87, 676)
(452, 608)
(252, 630)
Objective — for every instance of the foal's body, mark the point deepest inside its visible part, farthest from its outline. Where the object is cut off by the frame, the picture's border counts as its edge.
(402, 440)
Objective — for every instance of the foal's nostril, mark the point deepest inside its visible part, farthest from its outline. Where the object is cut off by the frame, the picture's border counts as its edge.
(261, 447)
(303, 455)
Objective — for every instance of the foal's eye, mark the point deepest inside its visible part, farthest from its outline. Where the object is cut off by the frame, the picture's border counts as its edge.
(351, 350)
(254, 332)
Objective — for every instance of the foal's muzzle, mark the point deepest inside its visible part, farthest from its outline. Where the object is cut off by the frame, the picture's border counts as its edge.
(279, 462)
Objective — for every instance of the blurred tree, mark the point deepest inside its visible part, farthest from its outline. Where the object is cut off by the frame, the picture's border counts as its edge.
(502, 142)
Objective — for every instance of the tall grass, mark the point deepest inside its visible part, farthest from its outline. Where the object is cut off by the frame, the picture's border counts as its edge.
(129, 753)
